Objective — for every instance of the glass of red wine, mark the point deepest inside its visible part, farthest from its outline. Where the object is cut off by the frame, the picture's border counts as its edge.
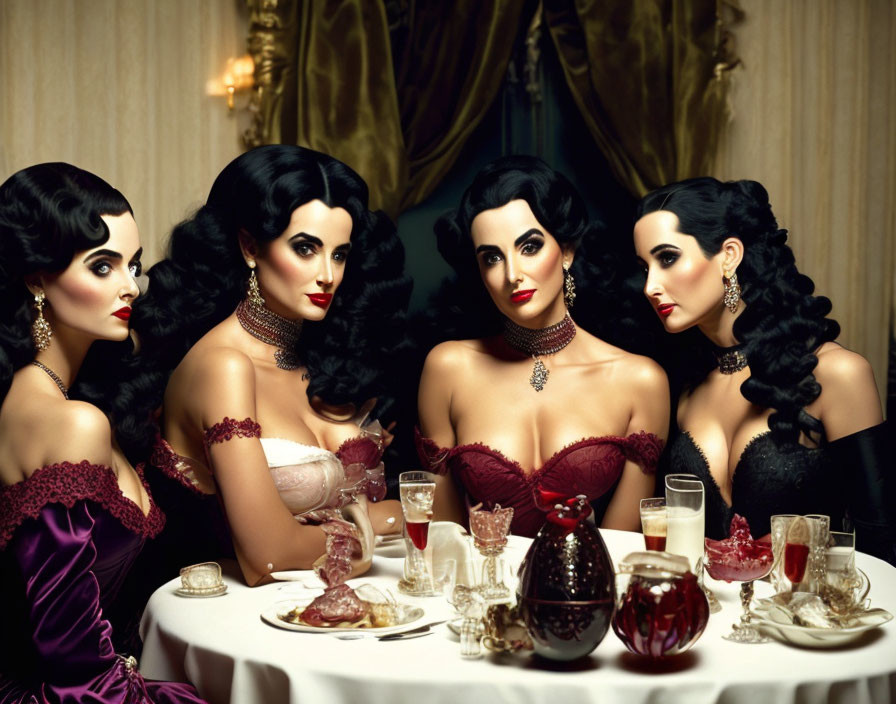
(799, 543)
(417, 490)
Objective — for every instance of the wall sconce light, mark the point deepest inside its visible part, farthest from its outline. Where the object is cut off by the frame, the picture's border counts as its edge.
(239, 75)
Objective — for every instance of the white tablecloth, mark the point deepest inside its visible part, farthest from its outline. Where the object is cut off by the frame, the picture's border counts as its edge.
(223, 647)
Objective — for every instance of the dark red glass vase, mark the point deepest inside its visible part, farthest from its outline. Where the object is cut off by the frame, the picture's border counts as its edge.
(567, 588)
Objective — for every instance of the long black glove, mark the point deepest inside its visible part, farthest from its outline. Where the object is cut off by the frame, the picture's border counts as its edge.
(867, 462)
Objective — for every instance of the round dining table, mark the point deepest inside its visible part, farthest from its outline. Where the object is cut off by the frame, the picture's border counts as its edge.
(224, 647)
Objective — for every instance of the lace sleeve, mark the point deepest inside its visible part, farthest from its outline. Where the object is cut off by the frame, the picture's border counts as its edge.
(432, 457)
(644, 449)
(228, 429)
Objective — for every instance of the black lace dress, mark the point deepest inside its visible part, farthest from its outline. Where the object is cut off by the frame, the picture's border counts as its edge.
(848, 479)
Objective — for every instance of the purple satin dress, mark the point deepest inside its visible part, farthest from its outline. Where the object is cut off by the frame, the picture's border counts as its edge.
(67, 538)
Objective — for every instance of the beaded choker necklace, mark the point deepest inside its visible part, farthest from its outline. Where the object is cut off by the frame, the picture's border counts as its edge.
(53, 376)
(272, 329)
(730, 359)
(537, 343)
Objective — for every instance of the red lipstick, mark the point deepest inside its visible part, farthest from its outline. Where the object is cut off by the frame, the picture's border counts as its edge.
(123, 313)
(664, 309)
(321, 300)
(522, 296)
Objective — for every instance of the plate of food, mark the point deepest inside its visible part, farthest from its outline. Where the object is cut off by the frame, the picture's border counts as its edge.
(803, 619)
(343, 609)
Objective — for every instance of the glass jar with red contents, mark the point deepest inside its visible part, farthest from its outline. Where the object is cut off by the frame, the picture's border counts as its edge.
(663, 610)
(567, 587)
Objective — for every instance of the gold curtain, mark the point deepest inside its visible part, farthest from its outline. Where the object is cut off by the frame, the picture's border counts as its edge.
(813, 122)
(649, 79)
(326, 80)
(451, 68)
(648, 76)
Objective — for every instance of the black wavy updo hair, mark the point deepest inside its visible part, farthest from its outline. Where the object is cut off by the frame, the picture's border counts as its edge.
(352, 352)
(48, 213)
(782, 325)
(602, 307)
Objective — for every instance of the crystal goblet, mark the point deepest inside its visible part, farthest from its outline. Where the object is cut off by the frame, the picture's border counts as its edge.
(490, 529)
(739, 558)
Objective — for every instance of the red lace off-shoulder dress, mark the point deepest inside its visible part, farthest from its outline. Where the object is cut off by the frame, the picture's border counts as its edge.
(592, 466)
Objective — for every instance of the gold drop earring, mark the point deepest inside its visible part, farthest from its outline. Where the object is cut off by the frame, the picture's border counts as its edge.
(40, 328)
(252, 290)
(732, 291)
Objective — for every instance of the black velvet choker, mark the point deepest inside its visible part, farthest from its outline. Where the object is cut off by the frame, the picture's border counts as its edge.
(730, 359)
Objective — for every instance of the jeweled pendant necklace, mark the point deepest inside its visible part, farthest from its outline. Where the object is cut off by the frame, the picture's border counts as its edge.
(730, 359)
(62, 387)
(272, 329)
(539, 342)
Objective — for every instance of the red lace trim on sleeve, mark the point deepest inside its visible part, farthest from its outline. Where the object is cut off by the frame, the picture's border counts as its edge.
(432, 457)
(645, 449)
(228, 429)
(67, 483)
(360, 449)
(173, 466)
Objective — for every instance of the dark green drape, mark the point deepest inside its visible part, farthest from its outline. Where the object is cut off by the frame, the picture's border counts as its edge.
(398, 103)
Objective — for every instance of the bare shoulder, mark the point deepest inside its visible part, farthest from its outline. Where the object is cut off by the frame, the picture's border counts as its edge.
(849, 400)
(448, 355)
(213, 366)
(843, 373)
(71, 431)
(636, 371)
(447, 360)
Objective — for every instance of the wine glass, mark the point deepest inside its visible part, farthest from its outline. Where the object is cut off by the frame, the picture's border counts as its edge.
(743, 560)
(685, 526)
(417, 490)
(490, 529)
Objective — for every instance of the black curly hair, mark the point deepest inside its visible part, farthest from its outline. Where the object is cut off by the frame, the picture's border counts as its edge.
(48, 213)
(782, 325)
(352, 354)
(608, 303)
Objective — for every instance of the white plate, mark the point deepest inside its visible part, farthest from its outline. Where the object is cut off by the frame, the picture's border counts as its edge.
(180, 591)
(271, 615)
(814, 637)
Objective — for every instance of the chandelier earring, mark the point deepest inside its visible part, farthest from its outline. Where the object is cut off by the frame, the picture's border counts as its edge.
(569, 286)
(40, 328)
(252, 291)
(732, 291)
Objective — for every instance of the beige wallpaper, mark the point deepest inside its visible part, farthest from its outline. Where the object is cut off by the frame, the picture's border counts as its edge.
(118, 88)
(812, 121)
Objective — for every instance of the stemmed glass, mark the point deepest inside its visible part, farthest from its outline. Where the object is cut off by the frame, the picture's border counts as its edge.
(417, 490)
(490, 529)
(739, 558)
(685, 525)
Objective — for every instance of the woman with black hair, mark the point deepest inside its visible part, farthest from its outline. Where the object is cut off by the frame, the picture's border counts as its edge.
(775, 416)
(279, 310)
(592, 418)
(74, 513)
